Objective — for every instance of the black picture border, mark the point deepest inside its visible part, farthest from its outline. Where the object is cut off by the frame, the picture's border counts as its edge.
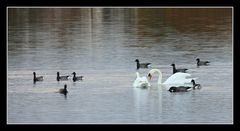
(121, 3)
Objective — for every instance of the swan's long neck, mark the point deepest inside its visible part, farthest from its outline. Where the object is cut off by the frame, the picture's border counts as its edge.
(137, 75)
(159, 73)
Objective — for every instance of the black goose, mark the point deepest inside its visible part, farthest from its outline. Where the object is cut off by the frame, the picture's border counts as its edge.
(61, 78)
(179, 89)
(198, 86)
(142, 65)
(178, 70)
(76, 78)
(40, 78)
(200, 63)
(64, 90)
(184, 88)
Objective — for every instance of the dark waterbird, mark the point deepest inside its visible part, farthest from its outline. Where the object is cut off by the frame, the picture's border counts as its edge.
(39, 78)
(198, 86)
(179, 69)
(64, 90)
(76, 78)
(179, 89)
(142, 65)
(61, 78)
(200, 63)
(184, 88)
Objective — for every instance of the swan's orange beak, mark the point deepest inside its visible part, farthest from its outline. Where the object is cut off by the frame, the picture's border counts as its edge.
(149, 76)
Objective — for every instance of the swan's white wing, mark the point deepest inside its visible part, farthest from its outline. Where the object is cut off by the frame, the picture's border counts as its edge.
(135, 83)
(141, 81)
(179, 78)
(145, 81)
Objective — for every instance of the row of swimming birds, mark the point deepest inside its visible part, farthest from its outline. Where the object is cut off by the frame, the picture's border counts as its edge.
(147, 65)
(177, 81)
(180, 81)
(59, 78)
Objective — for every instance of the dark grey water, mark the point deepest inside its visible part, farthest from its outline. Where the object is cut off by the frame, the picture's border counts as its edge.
(101, 44)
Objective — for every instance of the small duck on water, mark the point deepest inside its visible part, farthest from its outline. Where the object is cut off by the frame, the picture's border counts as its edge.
(184, 88)
(61, 78)
(64, 90)
(35, 78)
(202, 63)
(76, 78)
(179, 69)
(142, 65)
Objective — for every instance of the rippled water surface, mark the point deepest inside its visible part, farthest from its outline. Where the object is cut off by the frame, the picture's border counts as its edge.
(102, 44)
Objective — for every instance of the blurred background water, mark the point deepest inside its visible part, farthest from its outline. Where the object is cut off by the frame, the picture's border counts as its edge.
(102, 44)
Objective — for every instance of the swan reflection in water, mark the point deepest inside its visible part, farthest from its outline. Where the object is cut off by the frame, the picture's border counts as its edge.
(147, 101)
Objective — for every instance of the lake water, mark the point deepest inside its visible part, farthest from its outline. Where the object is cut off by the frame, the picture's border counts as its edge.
(102, 44)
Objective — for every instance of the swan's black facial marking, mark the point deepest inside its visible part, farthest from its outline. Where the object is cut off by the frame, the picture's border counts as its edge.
(149, 76)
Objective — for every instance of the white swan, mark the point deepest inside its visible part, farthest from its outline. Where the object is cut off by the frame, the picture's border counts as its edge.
(141, 82)
(177, 79)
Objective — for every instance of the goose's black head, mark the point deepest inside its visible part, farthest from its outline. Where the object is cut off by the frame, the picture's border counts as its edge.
(74, 73)
(34, 73)
(172, 64)
(136, 60)
(57, 73)
(173, 89)
(197, 59)
(193, 81)
(65, 87)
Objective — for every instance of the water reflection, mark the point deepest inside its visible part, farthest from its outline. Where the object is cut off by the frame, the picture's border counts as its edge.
(65, 95)
(148, 100)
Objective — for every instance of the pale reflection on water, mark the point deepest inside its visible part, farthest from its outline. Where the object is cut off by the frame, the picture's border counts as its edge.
(102, 44)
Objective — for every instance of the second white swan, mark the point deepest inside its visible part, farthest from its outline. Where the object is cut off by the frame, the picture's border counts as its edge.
(177, 79)
(141, 82)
